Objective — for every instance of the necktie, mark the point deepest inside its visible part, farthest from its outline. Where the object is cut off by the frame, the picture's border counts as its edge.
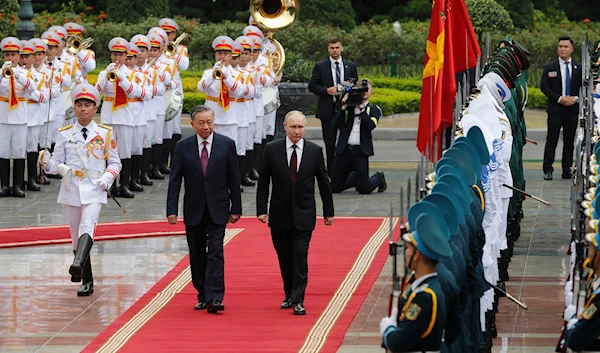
(568, 80)
(204, 157)
(293, 164)
(84, 133)
(337, 73)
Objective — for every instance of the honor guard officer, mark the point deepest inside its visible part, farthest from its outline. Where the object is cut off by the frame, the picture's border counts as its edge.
(181, 62)
(220, 86)
(36, 107)
(356, 120)
(86, 58)
(148, 114)
(119, 88)
(138, 110)
(86, 156)
(15, 86)
(419, 326)
(161, 77)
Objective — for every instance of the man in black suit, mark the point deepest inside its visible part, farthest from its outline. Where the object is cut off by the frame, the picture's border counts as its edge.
(326, 75)
(561, 81)
(355, 145)
(292, 164)
(207, 162)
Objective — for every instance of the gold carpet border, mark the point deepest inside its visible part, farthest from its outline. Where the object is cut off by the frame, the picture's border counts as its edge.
(316, 338)
(160, 300)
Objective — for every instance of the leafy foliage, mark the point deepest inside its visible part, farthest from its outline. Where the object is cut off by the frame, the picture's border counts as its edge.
(488, 16)
(338, 13)
(132, 11)
(297, 69)
(521, 12)
(8, 16)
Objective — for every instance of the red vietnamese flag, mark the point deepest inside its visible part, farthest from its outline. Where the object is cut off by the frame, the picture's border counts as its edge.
(430, 111)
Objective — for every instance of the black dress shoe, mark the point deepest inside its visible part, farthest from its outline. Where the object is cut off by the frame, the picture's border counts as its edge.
(548, 176)
(86, 288)
(17, 191)
(200, 306)
(566, 175)
(253, 174)
(54, 176)
(135, 186)
(144, 180)
(383, 185)
(247, 182)
(286, 304)
(214, 306)
(156, 174)
(125, 192)
(164, 169)
(299, 309)
(5, 192)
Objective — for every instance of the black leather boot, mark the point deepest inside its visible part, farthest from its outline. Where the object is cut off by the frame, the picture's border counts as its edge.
(146, 160)
(87, 285)
(84, 245)
(125, 179)
(164, 159)
(248, 163)
(18, 177)
(176, 138)
(258, 148)
(136, 169)
(5, 177)
(156, 158)
(32, 171)
(76, 277)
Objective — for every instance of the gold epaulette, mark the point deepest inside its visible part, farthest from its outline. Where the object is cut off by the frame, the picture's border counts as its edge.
(65, 127)
(105, 126)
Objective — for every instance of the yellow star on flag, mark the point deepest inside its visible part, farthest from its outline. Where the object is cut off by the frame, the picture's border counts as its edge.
(435, 51)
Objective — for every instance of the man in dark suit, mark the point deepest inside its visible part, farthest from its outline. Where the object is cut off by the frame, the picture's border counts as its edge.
(326, 75)
(561, 81)
(292, 164)
(355, 145)
(207, 162)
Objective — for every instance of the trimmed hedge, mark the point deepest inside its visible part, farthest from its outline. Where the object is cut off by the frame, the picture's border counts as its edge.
(536, 99)
(400, 84)
(395, 102)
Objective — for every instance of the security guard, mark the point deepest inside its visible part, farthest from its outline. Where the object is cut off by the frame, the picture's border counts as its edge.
(119, 87)
(421, 321)
(86, 58)
(355, 145)
(14, 89)
(584, 330)
(86, 156)
(179, 62)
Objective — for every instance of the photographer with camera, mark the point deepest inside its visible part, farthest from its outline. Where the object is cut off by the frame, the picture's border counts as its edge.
(356, 119)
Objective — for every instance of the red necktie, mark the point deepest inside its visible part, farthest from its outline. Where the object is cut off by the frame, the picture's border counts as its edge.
(204, 157)
(293, 164)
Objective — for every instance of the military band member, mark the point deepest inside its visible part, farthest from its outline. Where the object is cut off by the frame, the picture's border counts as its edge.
(220, 86)
(86, 58)
(70, 63)
(86, 156)
(36, 107)
(139, 112)
(161, 77)
(14, 88)
(119, 88)
(419, 326)
(180, 62)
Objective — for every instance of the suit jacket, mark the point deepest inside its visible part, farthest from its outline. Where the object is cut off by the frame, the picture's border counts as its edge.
(219, 189)
(293, 204)
(551, 85)
(321, 79)
(344, 120)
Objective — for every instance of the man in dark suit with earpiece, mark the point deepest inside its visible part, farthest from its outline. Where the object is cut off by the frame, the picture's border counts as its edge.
(326, 77)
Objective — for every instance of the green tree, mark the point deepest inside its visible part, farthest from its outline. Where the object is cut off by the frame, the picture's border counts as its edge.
(337, 13)
(521, 12)
(125, 11)
(488, 16)
(8, 17)
(419, 10)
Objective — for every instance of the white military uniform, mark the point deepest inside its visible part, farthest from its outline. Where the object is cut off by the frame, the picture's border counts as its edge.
(86, 58)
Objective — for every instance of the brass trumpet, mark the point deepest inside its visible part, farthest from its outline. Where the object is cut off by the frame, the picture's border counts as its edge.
(112, 75)
(75, 44)
(217, 73)
(8, 72)
(171, 48)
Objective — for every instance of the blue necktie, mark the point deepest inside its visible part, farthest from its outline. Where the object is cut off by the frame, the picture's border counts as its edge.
(568, 81)
(337, 73)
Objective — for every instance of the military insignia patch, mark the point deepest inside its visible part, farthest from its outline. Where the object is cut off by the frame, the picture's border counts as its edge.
(137, 80)
(589, 312)
(413, 312)
(113, 144)
(97, 143)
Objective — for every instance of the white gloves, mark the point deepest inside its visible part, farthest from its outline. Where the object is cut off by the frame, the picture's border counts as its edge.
(121, 75)
(388, 321)
(35, 95)
(570, 312)
(568, 299)
(63, 169)
(217, 65)
(104, 181)
(571, 323)
(16, 72)
(65, 172)
(44, 158)
(111, 67)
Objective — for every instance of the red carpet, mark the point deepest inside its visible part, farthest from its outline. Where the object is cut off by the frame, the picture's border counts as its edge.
(344, 261)
(32, 236)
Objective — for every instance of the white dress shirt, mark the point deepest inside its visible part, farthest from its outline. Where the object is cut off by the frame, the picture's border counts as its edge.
(289, 150)
(354, 138)
(209, 139)
(333, 69)
(89, 128)
(563, 75)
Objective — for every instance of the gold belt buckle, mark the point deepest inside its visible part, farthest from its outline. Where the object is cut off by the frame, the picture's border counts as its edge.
(79, 174)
